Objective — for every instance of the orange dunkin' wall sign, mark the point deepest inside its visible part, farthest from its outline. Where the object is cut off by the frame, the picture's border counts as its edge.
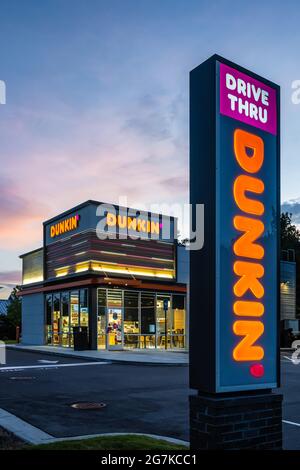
(234, 284)
(64, 226)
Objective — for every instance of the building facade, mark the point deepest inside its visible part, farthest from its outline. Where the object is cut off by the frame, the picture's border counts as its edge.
(289, 322)
(114, 272)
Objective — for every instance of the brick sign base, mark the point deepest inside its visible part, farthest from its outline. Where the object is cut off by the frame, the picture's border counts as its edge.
(247, 421)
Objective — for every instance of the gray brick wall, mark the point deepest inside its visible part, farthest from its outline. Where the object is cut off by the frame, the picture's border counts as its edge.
(240, 422)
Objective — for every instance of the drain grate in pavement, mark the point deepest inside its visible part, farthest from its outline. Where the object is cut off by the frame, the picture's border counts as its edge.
(21, 378)
(88, 406)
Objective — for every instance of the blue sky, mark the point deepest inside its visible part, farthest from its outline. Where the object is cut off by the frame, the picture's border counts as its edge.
(97, 100)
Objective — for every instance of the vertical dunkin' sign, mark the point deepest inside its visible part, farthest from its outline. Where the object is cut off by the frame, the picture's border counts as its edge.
(234, 291)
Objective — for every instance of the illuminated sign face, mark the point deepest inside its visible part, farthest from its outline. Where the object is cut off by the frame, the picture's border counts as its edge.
(246, 231)
(65, 226)
(241, 243)
(136, 224)
(110, 222)
(249, 312)
(248, 100)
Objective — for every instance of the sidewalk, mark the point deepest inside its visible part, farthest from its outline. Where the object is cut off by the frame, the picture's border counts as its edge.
(147, 357)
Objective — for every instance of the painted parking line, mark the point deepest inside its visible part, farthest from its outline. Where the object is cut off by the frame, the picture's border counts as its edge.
(287, 359)
(52, 366)
(291, 422)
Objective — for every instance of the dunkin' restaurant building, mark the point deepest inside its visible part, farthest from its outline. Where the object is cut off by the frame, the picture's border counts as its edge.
(116, 273)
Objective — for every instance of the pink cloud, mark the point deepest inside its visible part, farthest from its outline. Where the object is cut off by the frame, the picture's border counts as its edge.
(10, 277)
(101, 154)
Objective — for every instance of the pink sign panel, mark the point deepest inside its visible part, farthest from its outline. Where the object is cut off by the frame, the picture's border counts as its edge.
(248, 100)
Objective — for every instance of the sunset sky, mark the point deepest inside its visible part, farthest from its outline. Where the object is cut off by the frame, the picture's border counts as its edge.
(97, 101)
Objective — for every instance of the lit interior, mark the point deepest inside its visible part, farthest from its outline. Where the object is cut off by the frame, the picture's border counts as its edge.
(117, 269)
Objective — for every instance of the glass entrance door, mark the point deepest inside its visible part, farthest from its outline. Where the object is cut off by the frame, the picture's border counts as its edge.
(114, 329)
(114, 319)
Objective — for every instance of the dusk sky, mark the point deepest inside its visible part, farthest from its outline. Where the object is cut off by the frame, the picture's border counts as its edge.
(97, 101)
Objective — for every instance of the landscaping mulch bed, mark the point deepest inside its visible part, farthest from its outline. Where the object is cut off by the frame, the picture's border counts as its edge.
(9, 442)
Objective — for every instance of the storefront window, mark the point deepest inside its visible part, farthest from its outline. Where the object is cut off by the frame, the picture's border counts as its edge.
(84, 312)
(56, 322)
(74, 309)
(65, 339)
(178, 328)
(49, 319)
(74, 320)
(163, 321)
(131, 319)
(148, 329)
(101, 324)
(114, 319)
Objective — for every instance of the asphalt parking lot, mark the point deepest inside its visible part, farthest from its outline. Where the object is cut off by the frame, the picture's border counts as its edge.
(290, 387)
(153, 399)
(150, 399)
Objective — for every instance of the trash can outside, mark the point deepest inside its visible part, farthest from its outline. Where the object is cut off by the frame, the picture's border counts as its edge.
(80, 334)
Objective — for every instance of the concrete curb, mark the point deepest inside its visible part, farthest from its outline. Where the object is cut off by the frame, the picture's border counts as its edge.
(35, 436)
(94, 359)
(22, 429)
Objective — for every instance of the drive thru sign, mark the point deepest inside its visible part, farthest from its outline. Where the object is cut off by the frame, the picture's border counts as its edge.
(234, 281)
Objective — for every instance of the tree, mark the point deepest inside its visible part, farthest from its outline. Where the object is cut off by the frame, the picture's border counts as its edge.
(290, 239)
(289, 234)
(14, 308)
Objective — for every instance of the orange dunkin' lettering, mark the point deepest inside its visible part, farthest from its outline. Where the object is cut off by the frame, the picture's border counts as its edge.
(244, 141)
(248, 288)
(242, 184)
(249, 274)
(245, 246)
(246, 350)
(248, 308)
